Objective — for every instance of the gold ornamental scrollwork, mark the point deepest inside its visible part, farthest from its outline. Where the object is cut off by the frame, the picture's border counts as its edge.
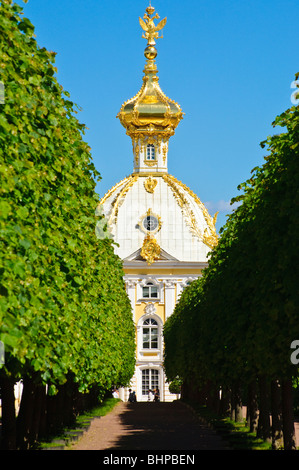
(164, 152)
(137, 150)
(150, 184)
(120, 198)
(150, 250)
(150, 162)
(209, 237)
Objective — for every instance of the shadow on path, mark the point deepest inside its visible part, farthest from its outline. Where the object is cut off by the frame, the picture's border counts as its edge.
(165, 426)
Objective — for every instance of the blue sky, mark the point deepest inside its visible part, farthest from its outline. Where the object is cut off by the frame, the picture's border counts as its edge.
(228, 63)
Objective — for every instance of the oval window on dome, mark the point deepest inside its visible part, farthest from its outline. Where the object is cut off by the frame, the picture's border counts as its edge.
(150, 223)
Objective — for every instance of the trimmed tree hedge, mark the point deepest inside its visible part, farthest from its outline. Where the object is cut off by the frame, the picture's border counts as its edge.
(232, 329)
(65, 316)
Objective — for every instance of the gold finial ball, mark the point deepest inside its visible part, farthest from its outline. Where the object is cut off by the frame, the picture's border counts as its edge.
(150, 52)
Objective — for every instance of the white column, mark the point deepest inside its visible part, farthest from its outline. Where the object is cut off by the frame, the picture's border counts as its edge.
(131, 288)
(122, 393)
(169, 297)
(179, 289)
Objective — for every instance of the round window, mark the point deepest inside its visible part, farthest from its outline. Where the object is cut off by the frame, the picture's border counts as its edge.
(150, 223)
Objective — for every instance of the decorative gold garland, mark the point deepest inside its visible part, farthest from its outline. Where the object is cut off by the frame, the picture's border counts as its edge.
(108, 194)
(119, 198)
(209, 237)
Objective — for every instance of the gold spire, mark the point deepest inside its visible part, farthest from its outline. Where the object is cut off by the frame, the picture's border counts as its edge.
(150, 117)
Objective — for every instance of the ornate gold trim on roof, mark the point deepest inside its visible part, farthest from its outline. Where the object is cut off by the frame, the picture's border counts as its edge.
(111, 191)
(209, 237)
(119, 198)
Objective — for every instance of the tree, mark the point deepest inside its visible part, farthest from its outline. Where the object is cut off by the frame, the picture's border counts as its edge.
(243, 318)
(64, 310)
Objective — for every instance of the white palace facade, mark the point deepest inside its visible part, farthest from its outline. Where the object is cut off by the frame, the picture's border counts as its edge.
(163, 231)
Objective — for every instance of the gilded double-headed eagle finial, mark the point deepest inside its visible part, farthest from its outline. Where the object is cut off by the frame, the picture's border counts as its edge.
(151, 30)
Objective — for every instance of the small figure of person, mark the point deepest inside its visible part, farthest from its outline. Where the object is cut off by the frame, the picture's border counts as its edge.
(157, 395)
(132, 396)
(115, 393)
(150, 395)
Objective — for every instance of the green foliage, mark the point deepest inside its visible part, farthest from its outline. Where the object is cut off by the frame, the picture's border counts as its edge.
(175, 386)
(63, 306)
(64, 437)
(180, 337)
(236, 435)
(239, 319)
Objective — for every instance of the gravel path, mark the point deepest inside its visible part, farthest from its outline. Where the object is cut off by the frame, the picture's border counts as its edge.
(149, 426)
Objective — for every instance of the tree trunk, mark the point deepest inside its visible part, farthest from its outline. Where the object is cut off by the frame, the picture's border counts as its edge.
(59, 408)
(38, 411)
(289, 439)
(50, 407)
(213, 399)
(185, 390)
(51, 414)
(43, 414)
(238, 404)
(225, 402)
(276, 413)
(69, 409)
(55, 411)
(232, 404)
(24, 420)
(264, 429)
(252, 407)
(8, 414)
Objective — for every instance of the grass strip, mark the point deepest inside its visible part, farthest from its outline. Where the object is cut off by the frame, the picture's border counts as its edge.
(68, 434)
(236, 434)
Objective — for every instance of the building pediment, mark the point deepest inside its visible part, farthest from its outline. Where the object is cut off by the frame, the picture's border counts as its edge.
(136, 256)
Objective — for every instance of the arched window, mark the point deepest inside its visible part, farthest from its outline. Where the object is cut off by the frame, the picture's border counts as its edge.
(150, 152)
(150, 291)
(150, 334)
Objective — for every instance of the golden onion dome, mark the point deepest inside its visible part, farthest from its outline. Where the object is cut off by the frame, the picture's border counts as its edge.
(150, 109)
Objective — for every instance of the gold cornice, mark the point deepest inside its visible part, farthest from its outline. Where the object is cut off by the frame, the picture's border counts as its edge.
(145, 174)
